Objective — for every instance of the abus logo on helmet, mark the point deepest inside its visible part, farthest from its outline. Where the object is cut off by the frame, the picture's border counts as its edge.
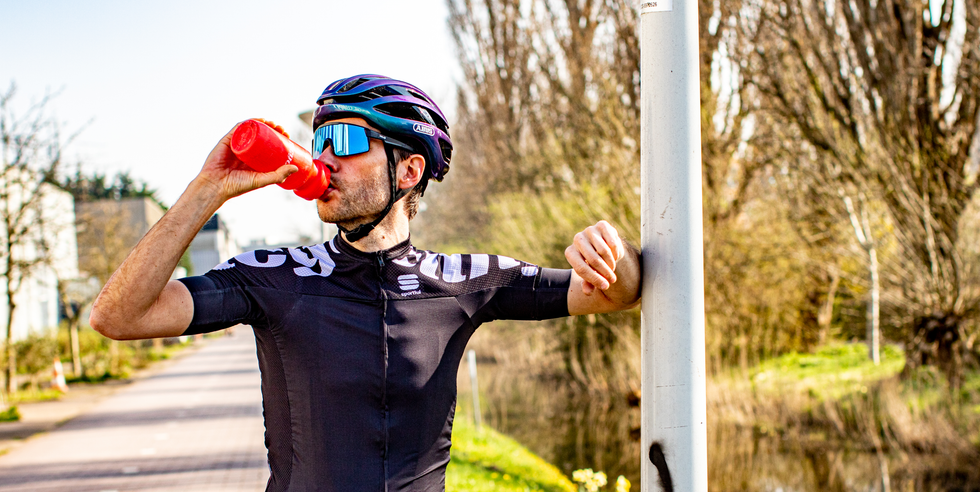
(426, 129)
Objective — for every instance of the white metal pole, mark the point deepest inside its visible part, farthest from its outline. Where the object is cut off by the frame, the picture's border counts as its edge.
(475, 388)
(674, 431)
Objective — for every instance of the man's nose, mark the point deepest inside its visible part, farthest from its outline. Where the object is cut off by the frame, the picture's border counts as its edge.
(328, 161)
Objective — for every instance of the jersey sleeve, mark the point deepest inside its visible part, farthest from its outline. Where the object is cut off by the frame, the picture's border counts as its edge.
(547, 299)
(526, 292)
(216, 305)
(221, 296)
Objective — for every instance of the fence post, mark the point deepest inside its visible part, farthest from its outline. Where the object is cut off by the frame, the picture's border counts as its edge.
(474, 388)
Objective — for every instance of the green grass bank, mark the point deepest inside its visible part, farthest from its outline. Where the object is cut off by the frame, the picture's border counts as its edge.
(485, 460)
(838, 393)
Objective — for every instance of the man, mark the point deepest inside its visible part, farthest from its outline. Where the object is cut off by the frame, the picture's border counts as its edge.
(359, 339)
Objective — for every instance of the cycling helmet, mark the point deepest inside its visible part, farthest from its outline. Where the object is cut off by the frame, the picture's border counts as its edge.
(399, 109)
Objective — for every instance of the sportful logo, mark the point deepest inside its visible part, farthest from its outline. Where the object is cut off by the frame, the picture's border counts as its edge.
(408, 282)
(426, 129)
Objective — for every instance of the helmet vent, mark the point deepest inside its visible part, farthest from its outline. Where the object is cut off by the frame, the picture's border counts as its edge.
(378, 92)
(412, 112)
(352, 84)
(447, 150)
(418, 96)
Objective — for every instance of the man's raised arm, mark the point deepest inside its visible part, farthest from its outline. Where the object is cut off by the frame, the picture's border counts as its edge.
(139, 300)
(606, 271)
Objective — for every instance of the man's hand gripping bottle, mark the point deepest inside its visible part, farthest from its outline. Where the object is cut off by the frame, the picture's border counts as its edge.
(264, 150)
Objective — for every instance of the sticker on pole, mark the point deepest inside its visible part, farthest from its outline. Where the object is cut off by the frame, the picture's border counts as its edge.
(656, 6)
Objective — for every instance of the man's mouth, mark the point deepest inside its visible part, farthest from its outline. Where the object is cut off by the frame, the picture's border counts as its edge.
(328, 192)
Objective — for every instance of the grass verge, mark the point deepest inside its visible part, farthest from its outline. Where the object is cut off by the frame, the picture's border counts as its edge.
(486, 461)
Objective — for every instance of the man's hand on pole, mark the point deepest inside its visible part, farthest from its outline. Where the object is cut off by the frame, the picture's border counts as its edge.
(606, 271)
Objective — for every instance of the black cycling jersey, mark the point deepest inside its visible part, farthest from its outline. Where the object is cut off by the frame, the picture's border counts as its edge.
(359, 352)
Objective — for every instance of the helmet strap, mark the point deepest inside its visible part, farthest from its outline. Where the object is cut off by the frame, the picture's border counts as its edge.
(359, 232)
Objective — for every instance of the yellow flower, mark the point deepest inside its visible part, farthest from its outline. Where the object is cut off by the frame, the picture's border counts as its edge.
(582, 476)
(589, 479)
(600, 480)
(622, 484)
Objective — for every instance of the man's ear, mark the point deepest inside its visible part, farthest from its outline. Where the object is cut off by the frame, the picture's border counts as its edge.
(410, 171)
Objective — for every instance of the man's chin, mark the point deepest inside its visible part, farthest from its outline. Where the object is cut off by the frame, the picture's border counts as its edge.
(347, 222)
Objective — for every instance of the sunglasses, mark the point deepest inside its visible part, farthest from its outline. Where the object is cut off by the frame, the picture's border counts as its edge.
(347, 139)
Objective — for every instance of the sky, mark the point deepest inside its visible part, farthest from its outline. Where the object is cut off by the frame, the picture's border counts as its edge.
(152, 86)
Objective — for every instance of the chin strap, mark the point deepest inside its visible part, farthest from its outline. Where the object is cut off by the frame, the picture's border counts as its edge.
(396, 194)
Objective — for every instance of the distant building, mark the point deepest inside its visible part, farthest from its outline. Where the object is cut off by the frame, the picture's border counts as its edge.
(37, 298)
(109, 229)
(212, 245)
(327, 231)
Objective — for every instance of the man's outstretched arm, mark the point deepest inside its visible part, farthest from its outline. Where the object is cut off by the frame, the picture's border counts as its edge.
(139, 300)
(606, 272)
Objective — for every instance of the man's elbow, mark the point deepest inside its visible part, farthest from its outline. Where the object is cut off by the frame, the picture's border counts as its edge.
(621, 305)
(103, 322)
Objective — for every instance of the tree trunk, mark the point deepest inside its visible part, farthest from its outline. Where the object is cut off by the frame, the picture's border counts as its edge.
(114, 358)
(826, 313)
(11, 350)
(873, 307)
(865, 237)
(936, 340)
(76, 353)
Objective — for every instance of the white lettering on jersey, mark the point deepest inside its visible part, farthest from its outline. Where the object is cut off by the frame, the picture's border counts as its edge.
(529, 271)
(409, 260)
(452, 269)
(506, 262)
(429, 264)
(274, 260)
(479, 265)
(320, 255)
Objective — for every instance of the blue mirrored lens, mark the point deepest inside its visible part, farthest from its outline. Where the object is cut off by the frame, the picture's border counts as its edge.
(345, 139)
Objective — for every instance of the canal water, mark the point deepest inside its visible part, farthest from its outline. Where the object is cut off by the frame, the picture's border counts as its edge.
(575, 431)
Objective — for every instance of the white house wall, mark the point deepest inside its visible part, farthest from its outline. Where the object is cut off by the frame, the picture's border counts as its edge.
(37, 301)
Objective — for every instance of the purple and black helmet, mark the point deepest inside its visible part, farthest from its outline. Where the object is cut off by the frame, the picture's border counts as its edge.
(399, 109)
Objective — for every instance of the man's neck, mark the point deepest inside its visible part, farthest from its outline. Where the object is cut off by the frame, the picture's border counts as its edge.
(388, 233)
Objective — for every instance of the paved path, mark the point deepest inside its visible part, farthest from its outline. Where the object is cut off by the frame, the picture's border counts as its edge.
(195, 426)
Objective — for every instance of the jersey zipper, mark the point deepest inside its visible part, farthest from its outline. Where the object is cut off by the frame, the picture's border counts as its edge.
(384, 379)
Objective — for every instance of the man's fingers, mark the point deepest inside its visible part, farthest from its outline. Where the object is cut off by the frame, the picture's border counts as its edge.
(580, 262)
(274, 126)
(596, 253)
(587, 288)
(611, 237)
(274, 177)
(593, 255)
(601, 246)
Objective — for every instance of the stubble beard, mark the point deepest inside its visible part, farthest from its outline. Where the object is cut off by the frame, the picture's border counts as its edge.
(362, 202)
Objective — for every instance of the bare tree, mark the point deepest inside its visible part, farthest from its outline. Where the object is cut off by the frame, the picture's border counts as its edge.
(547, 139)
(865, 237)
(76, 295)
(31, 149)
(888, 93)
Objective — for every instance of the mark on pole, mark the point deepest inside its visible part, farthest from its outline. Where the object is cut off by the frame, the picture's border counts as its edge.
(660, 461)
(656, 6)
(662, 214)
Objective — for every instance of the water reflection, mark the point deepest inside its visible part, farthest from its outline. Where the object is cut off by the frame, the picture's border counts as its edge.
(574, 430)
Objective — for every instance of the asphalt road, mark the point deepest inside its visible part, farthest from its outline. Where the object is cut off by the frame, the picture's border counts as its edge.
(194, 426)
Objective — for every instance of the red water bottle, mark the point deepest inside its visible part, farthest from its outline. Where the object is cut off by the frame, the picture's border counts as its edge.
(264, 149)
